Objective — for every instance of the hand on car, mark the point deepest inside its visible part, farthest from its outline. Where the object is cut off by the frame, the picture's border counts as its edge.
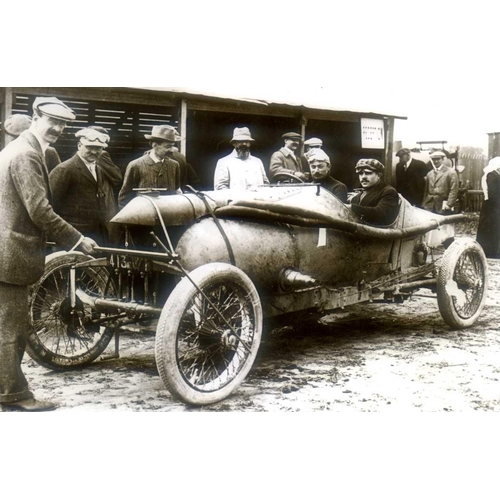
(87, 245)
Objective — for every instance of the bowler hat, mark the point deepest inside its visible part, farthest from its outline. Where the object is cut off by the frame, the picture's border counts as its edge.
(404, 151)
(292, 135)
(15, 125)
(53, 107)
(242, 134)
(370, 164)
(313, 141)
(92, 137)
(163, 133)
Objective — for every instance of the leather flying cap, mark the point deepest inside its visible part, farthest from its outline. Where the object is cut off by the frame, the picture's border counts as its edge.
(317, 155)
(404, 151)
(437, 154)
(53, 107)
(242, 134)
(292, 135)
(163, 133)
(15, 125)
(313, 141)
(92, 137)
(370, 164)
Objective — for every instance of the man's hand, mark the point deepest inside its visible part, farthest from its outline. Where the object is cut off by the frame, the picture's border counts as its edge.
(304, 176)
(87, 245)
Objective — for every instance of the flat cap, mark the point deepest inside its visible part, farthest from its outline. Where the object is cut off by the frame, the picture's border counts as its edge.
(370, 164)
(292, 135)
(404, 151)
(15, 125)
(92, 137)
(437, 154)
(313, 141)
(53, 107)
(317, 155)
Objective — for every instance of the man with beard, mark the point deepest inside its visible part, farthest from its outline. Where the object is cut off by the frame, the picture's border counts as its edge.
(27, 221)
(319, 164)
(240, 170)
(285, 161)
(154, 170)
(83, 187)
(378, 203)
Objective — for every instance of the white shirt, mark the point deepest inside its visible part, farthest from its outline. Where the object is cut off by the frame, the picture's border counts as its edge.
(154, 156)
(232, 172)
(407, 164)
(90, 165)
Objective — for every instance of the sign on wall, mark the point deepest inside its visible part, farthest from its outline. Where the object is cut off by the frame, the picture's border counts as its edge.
(372, 133)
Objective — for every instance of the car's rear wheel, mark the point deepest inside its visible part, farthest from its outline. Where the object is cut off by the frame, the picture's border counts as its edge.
(208, 335)
(462, 283)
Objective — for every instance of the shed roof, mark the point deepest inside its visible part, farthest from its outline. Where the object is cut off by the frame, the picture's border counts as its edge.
(315, 103)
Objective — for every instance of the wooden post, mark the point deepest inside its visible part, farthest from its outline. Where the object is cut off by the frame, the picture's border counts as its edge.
(389, 138)
(493, 145)
(6, 112)
(183, 125)
(303, 125)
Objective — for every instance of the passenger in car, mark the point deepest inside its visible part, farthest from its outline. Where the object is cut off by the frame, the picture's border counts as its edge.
(319, 164)
(378, 203)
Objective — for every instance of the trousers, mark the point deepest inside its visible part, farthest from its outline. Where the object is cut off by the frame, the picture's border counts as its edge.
(14, 328)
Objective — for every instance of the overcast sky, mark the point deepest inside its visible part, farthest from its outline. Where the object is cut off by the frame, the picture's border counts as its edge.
(434, 62)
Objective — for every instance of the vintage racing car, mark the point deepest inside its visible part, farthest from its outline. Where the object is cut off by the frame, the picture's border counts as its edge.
(207, 268)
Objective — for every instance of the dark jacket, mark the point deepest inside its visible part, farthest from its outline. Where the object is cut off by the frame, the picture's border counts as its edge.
(85, 203)
(411, 181)
(51, 158)
(488, 230)
(336, 187)
(188, 174)
(379, 206)
(145, 173)
(28, 218)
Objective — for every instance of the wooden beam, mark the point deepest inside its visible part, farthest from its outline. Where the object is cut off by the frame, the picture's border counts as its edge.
(183, 125)
(389, 139)
(6, 112)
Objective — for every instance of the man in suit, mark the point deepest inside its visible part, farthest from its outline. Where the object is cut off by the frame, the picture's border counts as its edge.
(441, 186)
(378, 203)
(28, 219)
(154, 169)
(285, 161)
(82, 187)
(319, 164)
(410, 177)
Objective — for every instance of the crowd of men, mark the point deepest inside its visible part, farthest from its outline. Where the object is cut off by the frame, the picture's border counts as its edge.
(71, 203)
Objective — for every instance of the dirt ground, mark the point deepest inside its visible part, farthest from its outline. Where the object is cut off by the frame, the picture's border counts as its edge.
(370, 357)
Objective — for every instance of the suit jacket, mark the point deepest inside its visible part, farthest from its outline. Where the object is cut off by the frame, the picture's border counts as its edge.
(145, 173)
(440, 185)
(283, 162)
(85, 203)
(379, 206)
(27, 218)
(51, 158)
(411, 181)
(336, 187)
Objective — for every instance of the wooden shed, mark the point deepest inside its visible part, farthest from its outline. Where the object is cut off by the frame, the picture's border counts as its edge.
(206, 123)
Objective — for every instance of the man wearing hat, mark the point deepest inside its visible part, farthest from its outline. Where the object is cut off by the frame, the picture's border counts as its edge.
(16, 124)
(28, 220)
(410, 177)
(312, 144)
(82, 186)
(240, 170)
(441, 186)
(188, 173)
(319, 164)
(285, 161)
(154, 170)
(378, 203)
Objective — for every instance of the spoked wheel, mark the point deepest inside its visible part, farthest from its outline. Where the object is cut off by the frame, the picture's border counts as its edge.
(63, 337)
(462, 283)
(207, 337)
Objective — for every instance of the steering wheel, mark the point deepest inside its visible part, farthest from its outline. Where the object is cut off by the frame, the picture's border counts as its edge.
(277, 177)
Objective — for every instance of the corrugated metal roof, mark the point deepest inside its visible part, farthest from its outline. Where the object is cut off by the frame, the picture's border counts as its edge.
(301, 102)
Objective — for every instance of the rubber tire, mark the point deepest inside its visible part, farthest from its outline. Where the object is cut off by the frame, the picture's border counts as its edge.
(168, 325)
(446, 274)
(35, 348)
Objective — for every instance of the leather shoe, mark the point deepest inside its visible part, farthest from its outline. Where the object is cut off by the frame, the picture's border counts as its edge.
(29, 405)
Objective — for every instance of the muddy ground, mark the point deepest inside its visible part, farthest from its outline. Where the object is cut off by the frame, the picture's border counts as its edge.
(370, 357)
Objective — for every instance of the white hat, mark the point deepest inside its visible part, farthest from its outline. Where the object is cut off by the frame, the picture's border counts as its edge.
(242, 134)
(92, 137)
(53, 107)
(437, 154)
(15, 125)
(313, 141)
(317, 155)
